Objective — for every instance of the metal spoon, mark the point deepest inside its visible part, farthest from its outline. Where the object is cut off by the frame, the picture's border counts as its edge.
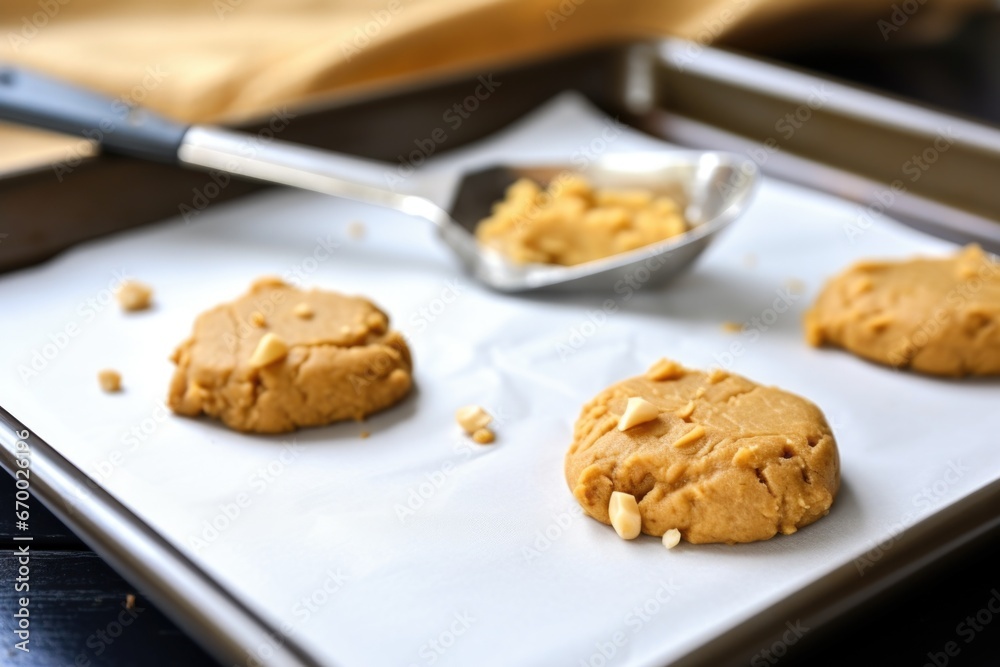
(712, 188)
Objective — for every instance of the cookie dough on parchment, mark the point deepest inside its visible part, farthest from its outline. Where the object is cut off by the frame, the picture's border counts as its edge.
(279, 358)
(939, 316)
(725, 460)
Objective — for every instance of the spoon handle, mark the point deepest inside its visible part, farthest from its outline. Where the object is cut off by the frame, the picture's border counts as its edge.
(34, 99)
(301, 167)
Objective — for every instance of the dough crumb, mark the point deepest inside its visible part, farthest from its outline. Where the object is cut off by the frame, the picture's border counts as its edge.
(129, 601)
(257, 319)
(483, 436)
(133, 295)
(365, 434)
(303, 310)
(356, 230)
(110, 380)
(732, 327)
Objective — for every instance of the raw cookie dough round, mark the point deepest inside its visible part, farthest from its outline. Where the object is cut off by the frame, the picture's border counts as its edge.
(726, 460)
(936, 316)
(343, 361)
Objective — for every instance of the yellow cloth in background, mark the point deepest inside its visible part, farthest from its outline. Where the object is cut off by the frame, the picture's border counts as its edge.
(223, 60)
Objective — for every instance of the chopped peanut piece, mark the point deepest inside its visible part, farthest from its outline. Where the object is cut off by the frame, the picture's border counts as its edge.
(638, 411)
(671, 538)
(665, 369)
(691, 437)
(111, 380)
(623, 511)
(270, 349)
(365, 434)
(133, 295)
(717, 375)
(257, 319)
(483, 436)
(303, 310)
(472, 418)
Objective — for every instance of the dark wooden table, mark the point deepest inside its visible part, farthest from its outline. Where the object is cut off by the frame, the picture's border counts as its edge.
(81, 615)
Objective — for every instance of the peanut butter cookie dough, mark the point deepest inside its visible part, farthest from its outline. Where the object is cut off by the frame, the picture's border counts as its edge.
(259, 365)
(939, 316)
(570, 222)
(722, 459)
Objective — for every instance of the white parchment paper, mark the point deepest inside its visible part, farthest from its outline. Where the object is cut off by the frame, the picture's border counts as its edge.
(415, 546)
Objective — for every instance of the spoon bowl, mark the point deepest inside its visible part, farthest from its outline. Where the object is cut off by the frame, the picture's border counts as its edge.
(712, 188)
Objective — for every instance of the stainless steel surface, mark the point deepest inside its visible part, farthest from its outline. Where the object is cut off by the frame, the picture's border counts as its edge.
(713, 189)
(895, 159)
(220, 623)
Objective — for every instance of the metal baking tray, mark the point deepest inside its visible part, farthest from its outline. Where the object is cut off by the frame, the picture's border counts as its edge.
(858, 145)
